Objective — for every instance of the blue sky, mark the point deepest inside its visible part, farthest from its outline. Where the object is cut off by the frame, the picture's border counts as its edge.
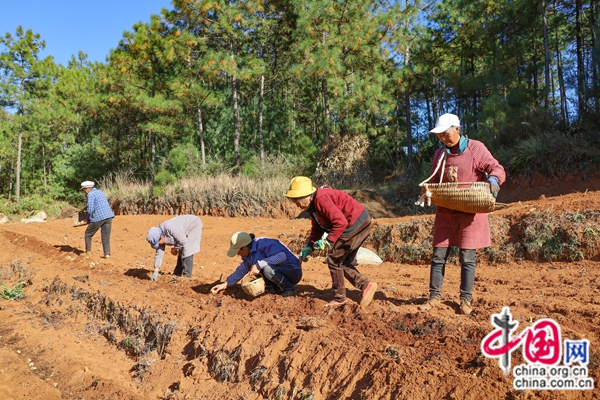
(68, 26)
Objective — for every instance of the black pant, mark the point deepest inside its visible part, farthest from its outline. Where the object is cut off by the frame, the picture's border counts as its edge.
(284, 277)
(105, 225)
(184, 265)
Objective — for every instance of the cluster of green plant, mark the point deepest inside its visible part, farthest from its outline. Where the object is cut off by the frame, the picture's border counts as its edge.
(133, 345)
(568, 236)
(35, 203)
(538, 236)
(14, 293)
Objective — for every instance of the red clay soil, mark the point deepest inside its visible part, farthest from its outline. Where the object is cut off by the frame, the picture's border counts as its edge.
(63, 341)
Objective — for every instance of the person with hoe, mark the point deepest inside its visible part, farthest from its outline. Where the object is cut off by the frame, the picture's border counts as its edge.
(467, 160)
(184, 233)
(267, 257)
(99, 216)
(347, 225)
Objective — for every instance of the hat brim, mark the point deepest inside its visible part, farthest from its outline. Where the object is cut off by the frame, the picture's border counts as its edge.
(233, 251)
(440, 129)
(296, 194)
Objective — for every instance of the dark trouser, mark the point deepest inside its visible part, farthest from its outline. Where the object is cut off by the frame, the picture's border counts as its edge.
(105, 227)
(342, 260)
(284, 277)
(184, 265)
(438, 270)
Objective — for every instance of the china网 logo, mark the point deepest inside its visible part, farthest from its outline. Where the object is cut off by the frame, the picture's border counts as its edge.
(543, 351)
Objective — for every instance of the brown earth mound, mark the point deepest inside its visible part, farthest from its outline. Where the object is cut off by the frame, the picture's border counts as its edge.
(90, 328)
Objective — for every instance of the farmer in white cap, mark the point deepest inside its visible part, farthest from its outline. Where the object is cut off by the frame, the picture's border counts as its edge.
(184, 233)
(267, 257)
(100, 216)
(467, 160)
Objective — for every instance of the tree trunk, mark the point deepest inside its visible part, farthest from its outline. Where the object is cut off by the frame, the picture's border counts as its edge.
(428, 105)
(594, 65)
(409, 150)
(201, 135)
(536, 85)
(236, 124)
(260, 120)
(19, 152)
(324, 93)
(580, 66)
(325, 104)
(44, 168)
(561, 80)
(546, 59)
(153, 153)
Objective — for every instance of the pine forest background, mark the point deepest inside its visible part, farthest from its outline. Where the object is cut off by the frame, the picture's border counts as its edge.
(225, 98)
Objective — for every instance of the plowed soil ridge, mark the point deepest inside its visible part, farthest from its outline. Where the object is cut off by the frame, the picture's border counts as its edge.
(232, 346)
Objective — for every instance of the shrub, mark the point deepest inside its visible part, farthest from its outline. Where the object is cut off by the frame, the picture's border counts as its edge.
(15, 293)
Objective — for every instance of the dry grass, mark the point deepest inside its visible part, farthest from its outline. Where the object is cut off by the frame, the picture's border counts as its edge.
(137, 332)
(344, 162)
(224, 364)
(221, 195)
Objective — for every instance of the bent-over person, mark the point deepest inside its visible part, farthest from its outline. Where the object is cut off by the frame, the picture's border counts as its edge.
(347, 224)
(184, 234)
(266, 257)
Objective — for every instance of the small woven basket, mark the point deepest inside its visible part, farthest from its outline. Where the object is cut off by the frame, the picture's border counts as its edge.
(468, 197)
(254, 288)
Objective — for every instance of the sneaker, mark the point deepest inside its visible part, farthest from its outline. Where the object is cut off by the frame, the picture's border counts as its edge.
(288, 293)
(429, 304)
(88, 253)
(106, 257)
(465, 306)
(336, 303)
(367, 294)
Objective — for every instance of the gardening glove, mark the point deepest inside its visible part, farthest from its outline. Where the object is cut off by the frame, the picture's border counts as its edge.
(494, 186)
(154, 276)
(305, 252)
(322, 244)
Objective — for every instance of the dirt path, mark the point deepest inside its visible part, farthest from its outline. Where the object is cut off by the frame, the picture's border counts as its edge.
(77, 332)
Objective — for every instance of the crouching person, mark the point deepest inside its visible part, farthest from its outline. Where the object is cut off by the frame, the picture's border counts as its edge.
(184, 233)
(267, 257)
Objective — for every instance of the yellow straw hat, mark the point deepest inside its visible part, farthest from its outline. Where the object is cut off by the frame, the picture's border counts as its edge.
(300, 186)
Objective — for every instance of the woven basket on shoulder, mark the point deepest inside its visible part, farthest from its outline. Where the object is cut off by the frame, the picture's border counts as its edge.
(254, 288)
(469, 197)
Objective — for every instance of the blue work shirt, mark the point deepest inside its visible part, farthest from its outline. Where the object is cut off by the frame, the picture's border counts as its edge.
(263, 248)
(97, 206)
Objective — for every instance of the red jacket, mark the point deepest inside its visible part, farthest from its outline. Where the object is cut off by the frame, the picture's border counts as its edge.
(334, 211)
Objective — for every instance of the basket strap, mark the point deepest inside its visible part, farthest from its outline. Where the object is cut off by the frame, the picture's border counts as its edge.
(442, 158)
